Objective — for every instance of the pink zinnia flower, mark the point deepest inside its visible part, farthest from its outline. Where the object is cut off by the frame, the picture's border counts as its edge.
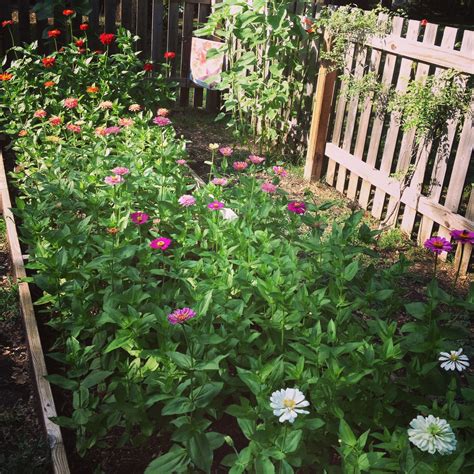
(73, 128)
(125, 122)
(297, 207)
(438, 245)
(135, 108)
(215, 205)
(280, 171)
(55, 121)
(181, 162)
(256, 160)
(463, 236)
(121, 170)
(70, 103)
(180, 316)
(220, 181)
(161, 121)
(106, 104)
(113, 180)
(239, 165)
(161, 243)
(40, 113)
(112, 130)
(139, 217)
(162, 112)
(268, 188)
(187, 200)
(226, 151)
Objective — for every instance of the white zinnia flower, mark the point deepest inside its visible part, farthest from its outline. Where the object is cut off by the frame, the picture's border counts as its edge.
(454, 360)
(432, 434)
(287, 403)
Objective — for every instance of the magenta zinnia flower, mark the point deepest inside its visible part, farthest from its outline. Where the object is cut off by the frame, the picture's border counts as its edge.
(463, 236)
(121, 170)
(139, 218)
(438, 245)
(239, 165)
(112, 130)
(180, 316)
(161, 121)
(226, 151)
(113, 180)
(256, 160)
(187, 200)
(219, 181)
(297, 207)
(280, 171)
(268, 188)
(215, 205)
(161, 243)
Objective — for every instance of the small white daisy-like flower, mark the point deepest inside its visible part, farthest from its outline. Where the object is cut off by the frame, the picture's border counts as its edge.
(432, 434)
(454, 360)
(287, 403)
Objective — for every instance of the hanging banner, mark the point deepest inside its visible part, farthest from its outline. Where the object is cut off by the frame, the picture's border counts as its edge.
(205, 72)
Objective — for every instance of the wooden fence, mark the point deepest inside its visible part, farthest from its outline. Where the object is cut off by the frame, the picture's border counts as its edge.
(160, 28)
(364, 151)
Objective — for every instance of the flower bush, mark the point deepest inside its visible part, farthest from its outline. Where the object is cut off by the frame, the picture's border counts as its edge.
(267, 337)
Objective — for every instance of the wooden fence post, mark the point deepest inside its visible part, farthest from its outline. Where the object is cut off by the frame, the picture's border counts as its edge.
(320, 120)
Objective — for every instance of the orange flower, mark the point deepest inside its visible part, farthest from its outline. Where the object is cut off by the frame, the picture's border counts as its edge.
(49, 84)
(92, 89)
(48, 62)
(22, 133)
(6, 76)
(112, 230)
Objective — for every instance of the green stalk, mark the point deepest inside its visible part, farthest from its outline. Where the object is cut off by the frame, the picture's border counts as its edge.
(460, 263)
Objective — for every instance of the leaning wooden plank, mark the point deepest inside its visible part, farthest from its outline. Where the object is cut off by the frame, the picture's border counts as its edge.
(410, 48)
(394, 127)
(444, 149)
(48, 410)
(376, 132)
(440, 214)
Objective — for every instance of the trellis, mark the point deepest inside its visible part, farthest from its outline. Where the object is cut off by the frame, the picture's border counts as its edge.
(365, 151)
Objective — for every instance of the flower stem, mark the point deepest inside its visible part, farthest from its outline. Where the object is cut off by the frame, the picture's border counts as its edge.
(435, 264)
(459, 266)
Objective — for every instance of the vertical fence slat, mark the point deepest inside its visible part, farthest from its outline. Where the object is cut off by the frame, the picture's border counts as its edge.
(94, 18)
(351, 119)
(5, 14)
(142, 27)
(126, 14)
(24, 20)
(203, 13)
(188, 18)
(339, 118)
(110, 8)
(157, 31)
(376, 134)
(463, 264)
(172, 40)
(444, 149)
(394, 127)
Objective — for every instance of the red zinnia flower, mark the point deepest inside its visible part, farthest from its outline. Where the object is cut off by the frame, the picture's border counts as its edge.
(55, 121)
(170, 55)
(48, 62)
(107, 38)
(7, 23)
(49, 84)
(54, 33)
(424, 22)
(80, 43)
(83, 26)
(6, 76)
(68, 12)
(148, 67)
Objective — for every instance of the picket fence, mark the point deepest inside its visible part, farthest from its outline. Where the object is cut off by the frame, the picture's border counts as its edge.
(365, 152)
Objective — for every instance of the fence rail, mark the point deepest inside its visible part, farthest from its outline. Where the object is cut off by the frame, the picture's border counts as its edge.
(365, 150)
(160, 28)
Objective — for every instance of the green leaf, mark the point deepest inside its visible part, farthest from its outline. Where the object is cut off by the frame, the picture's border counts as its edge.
(174, 461)
(351, 271)
(263, 465)
(181, 360)
(177, 406)
(200, 452)
(346, 434)
(203, 395)
(251, 380)
(247, 426)
(62, 382)
(292, 441)
(314, 423)
(117, 343)
(95, 377)
(417, 310)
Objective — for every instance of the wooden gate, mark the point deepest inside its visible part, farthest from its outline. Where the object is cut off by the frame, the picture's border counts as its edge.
(365, 151)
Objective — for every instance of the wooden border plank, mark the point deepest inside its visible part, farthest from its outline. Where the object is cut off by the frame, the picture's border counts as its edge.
(48, 409)
(188, 23)
(157, 31)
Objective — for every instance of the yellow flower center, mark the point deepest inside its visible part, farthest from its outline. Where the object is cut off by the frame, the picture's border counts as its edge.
(160, 243)
(289, 403)
(454, 357)
(438, 244)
